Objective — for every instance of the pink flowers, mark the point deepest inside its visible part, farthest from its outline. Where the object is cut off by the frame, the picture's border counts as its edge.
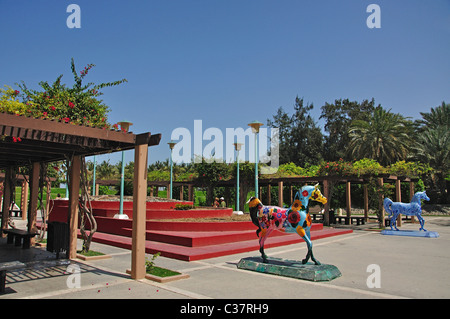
(71, 105)
(52, 108)
(16, 92)
(86, 69)
(16, 139)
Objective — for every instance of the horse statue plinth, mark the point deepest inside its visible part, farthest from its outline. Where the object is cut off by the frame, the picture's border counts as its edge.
(296, 219)
(414, 208)
(290, 268)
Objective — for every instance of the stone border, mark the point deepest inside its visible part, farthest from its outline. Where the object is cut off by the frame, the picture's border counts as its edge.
(89, 258)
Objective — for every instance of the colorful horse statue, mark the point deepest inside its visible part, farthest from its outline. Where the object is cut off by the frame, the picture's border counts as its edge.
(270, 218)
(411, 209)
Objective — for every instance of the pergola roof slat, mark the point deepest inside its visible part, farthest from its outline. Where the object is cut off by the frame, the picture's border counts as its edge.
(24, 140)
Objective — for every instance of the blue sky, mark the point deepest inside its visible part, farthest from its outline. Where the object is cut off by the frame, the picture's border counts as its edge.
(230, 62)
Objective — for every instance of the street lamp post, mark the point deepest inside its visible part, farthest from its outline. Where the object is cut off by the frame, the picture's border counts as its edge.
(93, 177)
(255, 125)
(237, 147)
(171, 145)
(124, 126)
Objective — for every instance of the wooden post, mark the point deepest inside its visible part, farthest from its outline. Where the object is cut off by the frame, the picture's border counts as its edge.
(34, 191)
(74, 189)
(280, 194)
(191, 193)
(181, 192)
(326, 193)
(291, 188)
(366, 203)
(6, 198)
(269, 193)
(139, 212)
(24, 200)
(380, 201)
(348, 200)
(47, 198)
(151, 191)
(398, 198)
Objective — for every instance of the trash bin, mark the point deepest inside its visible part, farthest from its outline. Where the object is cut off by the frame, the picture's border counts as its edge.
(331, 216)
(58, 237)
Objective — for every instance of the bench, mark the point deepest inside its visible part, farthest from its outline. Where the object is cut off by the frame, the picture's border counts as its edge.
(15, 213)
(10, 265)
(314, 216)
(349, 220)
(16, 236)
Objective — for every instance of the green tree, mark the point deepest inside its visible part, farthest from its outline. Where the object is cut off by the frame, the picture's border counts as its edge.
(433, 146)
(210, 173)
(437, 117)
(338, 116)
(300, 138)
(384, 137)
(106, 170)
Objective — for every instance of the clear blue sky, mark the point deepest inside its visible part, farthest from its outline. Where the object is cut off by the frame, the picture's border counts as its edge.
(229, 62)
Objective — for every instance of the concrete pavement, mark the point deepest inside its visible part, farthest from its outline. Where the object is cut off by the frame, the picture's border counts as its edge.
(404, 267)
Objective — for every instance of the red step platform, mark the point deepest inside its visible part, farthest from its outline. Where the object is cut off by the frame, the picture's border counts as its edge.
(186, 240)
(191, 253)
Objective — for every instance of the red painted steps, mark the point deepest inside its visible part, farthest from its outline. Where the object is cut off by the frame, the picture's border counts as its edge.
(203, 238)
(185, 240)
(203, 252)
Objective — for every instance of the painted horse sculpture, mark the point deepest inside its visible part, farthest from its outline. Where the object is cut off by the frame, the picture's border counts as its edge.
(270, 218)
(411, 209)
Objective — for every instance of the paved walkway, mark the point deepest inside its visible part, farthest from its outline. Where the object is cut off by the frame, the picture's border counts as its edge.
(409, 267)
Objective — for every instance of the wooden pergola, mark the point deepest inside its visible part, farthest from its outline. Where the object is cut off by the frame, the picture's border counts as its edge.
(26, 141)
(328, 181)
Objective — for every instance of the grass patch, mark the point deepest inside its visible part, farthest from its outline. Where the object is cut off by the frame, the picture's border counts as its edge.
(90, 253)
(161, 272)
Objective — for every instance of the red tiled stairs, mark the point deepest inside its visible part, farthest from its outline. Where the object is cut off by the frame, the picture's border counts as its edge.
(191, 244)
(184, 240)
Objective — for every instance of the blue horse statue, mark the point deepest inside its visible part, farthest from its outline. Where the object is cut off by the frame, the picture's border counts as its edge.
(270, 218)
(411, 209)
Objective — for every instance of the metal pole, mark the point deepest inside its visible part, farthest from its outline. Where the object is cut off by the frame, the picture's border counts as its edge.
(122, 184)
(93, 177)
(67, 179)
(237, 181)
(256, 165)
(171, 172)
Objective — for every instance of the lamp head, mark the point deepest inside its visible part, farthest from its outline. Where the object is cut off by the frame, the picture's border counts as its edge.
(237, 146)
(172, 144)
(125, 125)
(255, 125)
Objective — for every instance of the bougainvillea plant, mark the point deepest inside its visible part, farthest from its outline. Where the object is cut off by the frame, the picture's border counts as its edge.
(79, 104)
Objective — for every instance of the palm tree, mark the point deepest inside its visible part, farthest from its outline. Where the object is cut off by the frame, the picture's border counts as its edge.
(384, 137)
(438, 116)
(106, 170)
(433, 147)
